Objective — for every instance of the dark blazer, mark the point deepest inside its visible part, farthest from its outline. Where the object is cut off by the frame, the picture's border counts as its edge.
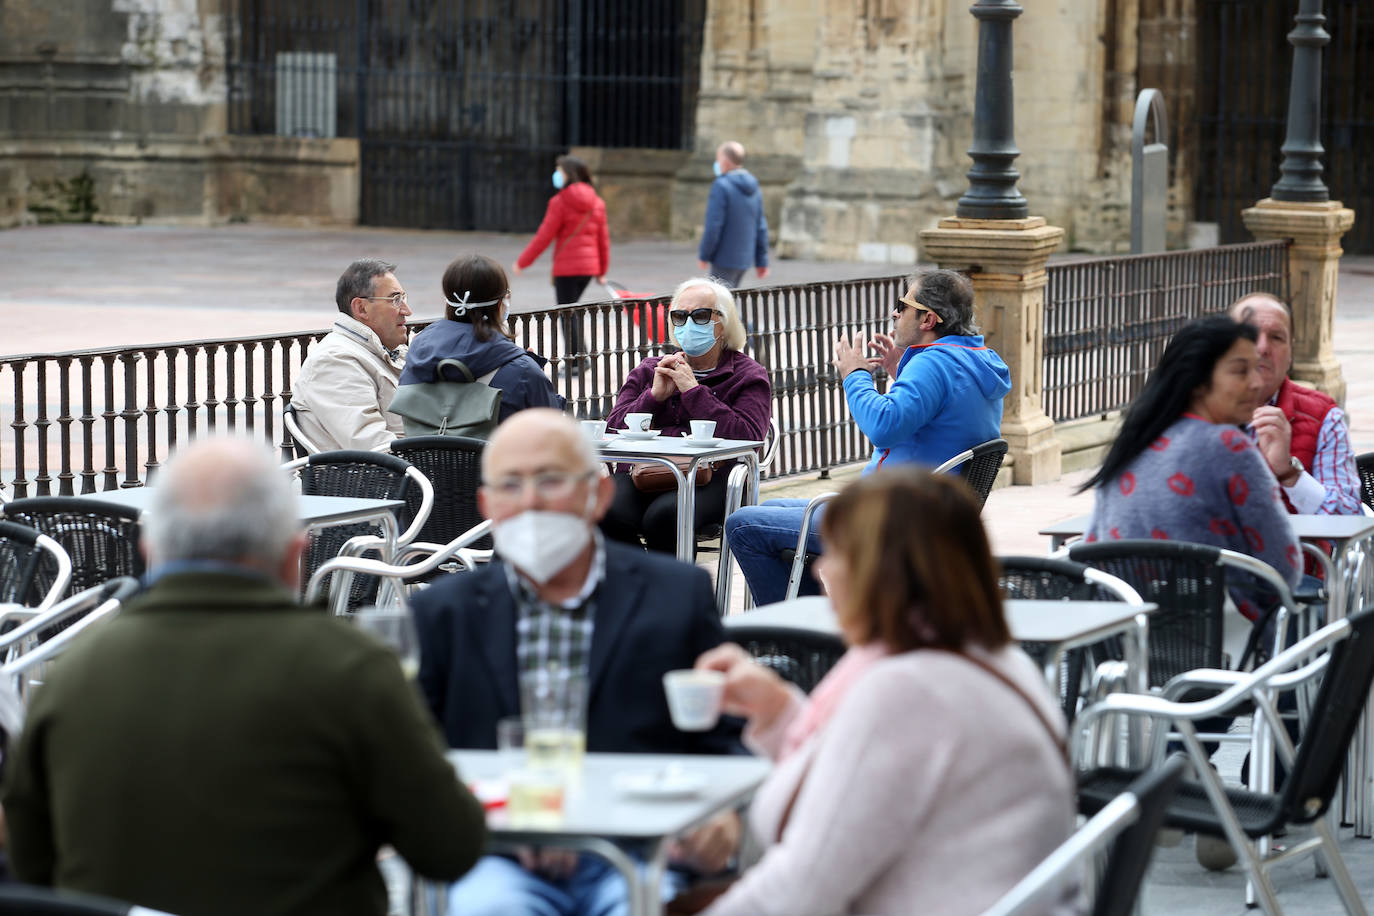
(219, 750)
(653, 614)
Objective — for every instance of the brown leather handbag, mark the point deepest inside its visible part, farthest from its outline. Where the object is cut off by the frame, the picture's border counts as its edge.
(652, 477)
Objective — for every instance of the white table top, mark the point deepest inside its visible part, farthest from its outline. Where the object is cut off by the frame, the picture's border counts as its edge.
(597, 809)
(614, 446)
(1029, 620)
(1306, 527)
(314, 510)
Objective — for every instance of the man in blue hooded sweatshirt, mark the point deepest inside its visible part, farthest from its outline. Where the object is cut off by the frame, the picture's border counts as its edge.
(735, 237)
(946, 396)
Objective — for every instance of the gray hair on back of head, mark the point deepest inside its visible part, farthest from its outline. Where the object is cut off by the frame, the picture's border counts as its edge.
(222, 498)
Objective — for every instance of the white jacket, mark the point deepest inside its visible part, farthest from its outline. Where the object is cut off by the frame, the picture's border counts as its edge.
(345, 386)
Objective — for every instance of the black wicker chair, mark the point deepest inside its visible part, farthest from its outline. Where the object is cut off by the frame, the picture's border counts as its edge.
(1205, 805)
(453, 465)
(1365, 465)
(1126, 830)
(27, 559)
(369, 475)
(100, 538)
(797, 655)
(1052, 579)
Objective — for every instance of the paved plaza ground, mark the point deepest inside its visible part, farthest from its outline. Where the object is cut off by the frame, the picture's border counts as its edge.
(74, 287)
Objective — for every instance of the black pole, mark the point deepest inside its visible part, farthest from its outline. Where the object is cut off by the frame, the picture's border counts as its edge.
(992, 192)
(1301, 171)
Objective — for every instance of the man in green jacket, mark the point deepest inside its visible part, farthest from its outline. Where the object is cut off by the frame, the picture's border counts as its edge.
(218, 749)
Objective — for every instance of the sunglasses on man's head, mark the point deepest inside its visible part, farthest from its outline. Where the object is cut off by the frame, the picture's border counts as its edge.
(698, 316)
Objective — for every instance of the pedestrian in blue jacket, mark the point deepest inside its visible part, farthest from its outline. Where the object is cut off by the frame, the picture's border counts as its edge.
(735, 236)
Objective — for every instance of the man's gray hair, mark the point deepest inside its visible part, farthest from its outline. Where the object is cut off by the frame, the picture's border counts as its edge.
(358, 280)
(222, 498)
(948, 294)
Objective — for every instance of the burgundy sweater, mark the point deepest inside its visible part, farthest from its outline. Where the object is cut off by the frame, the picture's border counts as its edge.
(735, 394)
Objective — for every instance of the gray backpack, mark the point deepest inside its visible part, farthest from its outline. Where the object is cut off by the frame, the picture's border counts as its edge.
(449, 408)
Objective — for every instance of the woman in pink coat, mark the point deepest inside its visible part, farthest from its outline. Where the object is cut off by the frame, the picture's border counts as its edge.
(575, 223)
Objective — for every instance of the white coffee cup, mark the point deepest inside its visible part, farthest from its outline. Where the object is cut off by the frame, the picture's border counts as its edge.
(694, 698)
(594, 430)
(638, 422)
(703, 429)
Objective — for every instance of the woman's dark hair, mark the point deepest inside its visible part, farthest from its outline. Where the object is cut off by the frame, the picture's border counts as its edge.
(476, 278)
(1187, 364)
(920, 571)
(575, 169)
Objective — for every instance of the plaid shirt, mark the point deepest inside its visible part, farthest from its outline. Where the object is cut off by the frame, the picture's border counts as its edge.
(548, 633)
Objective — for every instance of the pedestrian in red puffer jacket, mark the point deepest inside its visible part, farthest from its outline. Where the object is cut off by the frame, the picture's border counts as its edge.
(575, 222)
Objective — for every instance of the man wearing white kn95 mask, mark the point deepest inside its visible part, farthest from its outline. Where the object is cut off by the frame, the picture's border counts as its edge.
(560, 598)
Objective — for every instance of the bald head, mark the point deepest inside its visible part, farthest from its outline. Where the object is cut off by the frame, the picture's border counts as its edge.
(543, 432)
(1271, 318)
(730, 155)
(222, 498)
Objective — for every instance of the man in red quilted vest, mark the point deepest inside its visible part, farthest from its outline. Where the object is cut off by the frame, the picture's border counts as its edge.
(1300, 431)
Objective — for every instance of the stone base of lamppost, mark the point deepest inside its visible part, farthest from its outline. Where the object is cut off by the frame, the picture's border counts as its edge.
(1313, 261)
(1006, 259)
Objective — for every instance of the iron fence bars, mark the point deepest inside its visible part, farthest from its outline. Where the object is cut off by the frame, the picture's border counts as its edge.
(1107, 320)
(101, 419)
(460, 106)
(118, 412)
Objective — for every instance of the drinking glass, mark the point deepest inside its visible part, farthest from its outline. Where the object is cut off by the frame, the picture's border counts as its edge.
(553, 701)
(394, 628)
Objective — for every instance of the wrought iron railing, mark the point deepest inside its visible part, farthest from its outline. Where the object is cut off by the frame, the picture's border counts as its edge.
(1107, 319)
(99, 419)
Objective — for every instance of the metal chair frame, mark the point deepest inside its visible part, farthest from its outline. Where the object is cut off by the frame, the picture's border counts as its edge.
(360, 544)
(25, 536)
(302, 445)
(1335, 648)
(24, 647)
(1127, 824)
(972, 460)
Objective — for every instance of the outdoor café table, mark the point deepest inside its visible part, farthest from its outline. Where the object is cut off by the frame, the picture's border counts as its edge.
(662, 450)
(1064, 625)
(313, 511)
(599, 819)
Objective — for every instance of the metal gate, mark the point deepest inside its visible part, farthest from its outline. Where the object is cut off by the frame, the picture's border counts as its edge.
(460, 106)
(1244, 65)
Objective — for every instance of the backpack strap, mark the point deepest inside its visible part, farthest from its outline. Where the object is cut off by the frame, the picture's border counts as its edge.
(456, 363)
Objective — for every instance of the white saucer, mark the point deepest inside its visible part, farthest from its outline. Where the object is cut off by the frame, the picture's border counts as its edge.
(639, 434)
(660, 785)
(701, 443)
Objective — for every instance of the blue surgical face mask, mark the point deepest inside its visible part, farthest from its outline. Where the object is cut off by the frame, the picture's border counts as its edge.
(695, 339)
(715, 167)
(559, 179)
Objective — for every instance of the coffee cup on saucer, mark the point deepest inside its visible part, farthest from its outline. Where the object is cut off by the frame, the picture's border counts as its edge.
(638, 422)
(703, 429)
(595, 430)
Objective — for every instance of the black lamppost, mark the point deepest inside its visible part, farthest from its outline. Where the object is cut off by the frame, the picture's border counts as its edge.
(1301, 171)
(992, 192)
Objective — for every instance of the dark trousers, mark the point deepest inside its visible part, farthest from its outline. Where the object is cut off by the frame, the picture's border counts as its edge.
(654, 515)
(567, 290)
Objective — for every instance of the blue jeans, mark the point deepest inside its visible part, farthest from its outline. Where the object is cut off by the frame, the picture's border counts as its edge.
(501, 887)
(759, 534)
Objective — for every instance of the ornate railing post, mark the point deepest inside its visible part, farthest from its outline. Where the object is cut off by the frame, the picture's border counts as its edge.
(1298, 209)
(1004, 250)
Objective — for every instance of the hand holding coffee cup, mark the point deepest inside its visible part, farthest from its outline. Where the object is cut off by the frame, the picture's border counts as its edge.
(703, 429)
(694, 697)
(751, 690)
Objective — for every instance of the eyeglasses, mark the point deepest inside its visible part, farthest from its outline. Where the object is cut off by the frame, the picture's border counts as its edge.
(698, 316)
(396, 299)
(550, 485)
(905, 303)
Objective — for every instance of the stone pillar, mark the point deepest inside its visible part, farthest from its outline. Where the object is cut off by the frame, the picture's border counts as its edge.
(1005, 259)
(1315, 230)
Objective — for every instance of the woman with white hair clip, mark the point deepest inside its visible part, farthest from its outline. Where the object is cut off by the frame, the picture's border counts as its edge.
(709, 380)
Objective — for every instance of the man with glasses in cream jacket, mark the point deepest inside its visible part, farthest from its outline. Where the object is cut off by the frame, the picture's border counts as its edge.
(346, 384)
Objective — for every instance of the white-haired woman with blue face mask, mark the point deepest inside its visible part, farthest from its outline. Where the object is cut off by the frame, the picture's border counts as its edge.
(709, 380)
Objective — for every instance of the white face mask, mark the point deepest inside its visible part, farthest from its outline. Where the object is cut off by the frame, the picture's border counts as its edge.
(540, 543)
